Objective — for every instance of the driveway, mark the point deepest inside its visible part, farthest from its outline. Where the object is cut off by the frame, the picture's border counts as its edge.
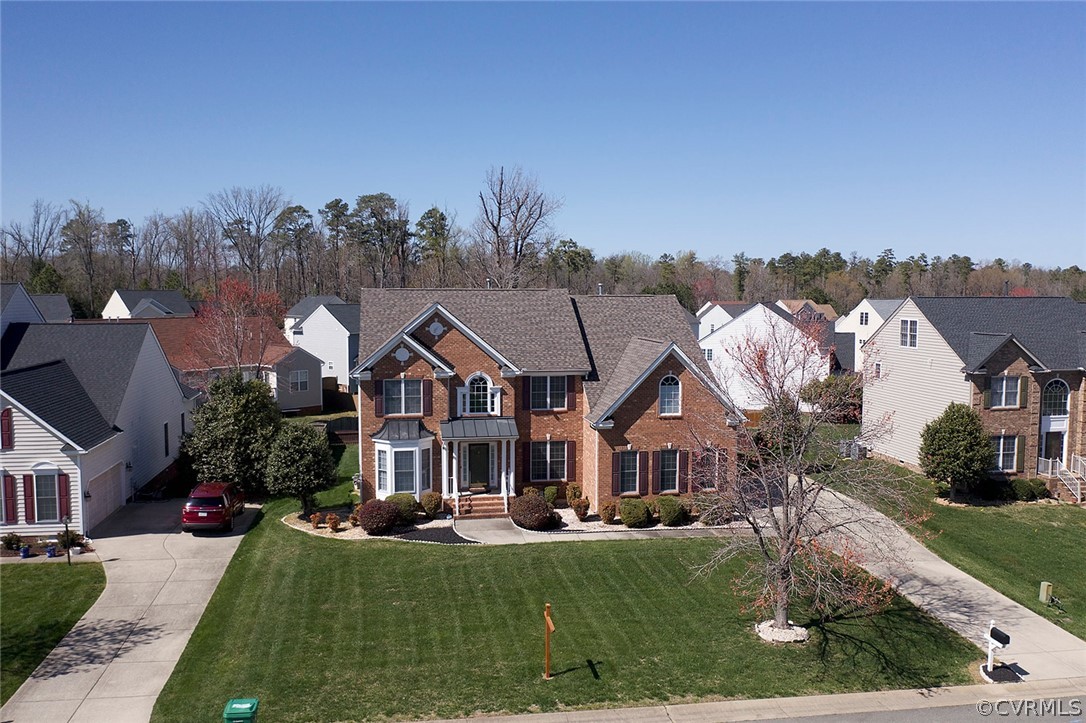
(117, 658)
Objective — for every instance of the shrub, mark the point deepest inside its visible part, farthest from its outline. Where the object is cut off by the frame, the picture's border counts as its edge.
(607, 513)
(1028, 490)
(332, 520)
(11, 541)
(315, 519)
(573, 492)
(532, 512)
(71, 538)
(580, 507)
(299, 464)
(634, 512)
(353, 519)
(530, 492)
(672, 513)
(431, 504)
(955, 448)
(378, 517)
(550, 494)
(408, 506)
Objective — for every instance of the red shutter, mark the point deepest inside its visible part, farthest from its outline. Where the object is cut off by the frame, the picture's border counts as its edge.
(616, 474)
(378, 398)
(10, 515)
(64, 491)
(571, 392)
(28, 498)
(684, 469)
(571, 461)
(642, 473)
(427, 397)
(656, 472)
(527, 469)
(526, 394)
(6, 436)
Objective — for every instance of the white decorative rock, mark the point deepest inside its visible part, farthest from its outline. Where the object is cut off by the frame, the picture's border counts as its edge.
(791, 634)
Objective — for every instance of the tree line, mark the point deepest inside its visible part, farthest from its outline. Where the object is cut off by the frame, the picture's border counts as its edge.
(278, 246)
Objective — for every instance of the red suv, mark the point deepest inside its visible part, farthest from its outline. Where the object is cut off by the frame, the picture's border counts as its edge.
(212, 504)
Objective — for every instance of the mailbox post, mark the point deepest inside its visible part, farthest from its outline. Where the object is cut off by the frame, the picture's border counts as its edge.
(997, 640)
(547, 630)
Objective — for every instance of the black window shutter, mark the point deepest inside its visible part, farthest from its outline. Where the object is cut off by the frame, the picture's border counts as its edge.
(987, 396)
(1020, 454)
(65, 495)
(657, 473)
(571, 461)
(526, 394)
(571, 392)
(527, 468)
(6, 429)
(28, 498)
(1023, 392)
(378, 398)
(9, 499)
(427, 397)
(684, 465)
(642, 473)
(616, 474)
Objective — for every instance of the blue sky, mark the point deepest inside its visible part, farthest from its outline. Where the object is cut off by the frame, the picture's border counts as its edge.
(762, 128)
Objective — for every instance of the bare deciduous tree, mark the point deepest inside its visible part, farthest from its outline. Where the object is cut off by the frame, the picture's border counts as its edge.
(804, 540)
(246, 217)
(39, 239)
(510, 234)
(82, 235)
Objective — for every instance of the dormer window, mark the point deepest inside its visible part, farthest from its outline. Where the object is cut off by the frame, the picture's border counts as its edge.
(480, 396)
(670, 396)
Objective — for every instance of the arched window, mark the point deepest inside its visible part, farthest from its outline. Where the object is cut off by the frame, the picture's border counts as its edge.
(479, 395)
(1054, 398)
(670, 395)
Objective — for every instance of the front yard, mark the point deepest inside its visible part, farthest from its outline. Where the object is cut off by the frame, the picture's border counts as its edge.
(39, 604)
(323, 629)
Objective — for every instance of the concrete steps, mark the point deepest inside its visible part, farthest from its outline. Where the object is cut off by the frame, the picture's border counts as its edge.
(481, 507)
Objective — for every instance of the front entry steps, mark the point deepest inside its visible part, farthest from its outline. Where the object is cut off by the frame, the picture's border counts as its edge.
(480, 507)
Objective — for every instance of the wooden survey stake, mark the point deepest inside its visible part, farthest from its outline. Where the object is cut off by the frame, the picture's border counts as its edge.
(548, 629)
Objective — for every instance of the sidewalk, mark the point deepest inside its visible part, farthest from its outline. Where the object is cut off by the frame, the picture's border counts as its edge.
(502, 531)
(117, 658)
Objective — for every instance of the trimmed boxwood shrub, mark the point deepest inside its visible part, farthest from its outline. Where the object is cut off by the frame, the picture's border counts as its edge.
(573, 492)
(672, 513)
(532, 512)
(550, 494)
(580, 507)
(530, 491)
(1028, 490)
(607, 513)
(378, 517)
(634, 512)
(431, 504)
(408, 506)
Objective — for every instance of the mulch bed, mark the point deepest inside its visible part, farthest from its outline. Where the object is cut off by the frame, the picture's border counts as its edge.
(438, 535)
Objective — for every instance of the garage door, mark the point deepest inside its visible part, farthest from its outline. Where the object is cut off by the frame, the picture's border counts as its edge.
(105, 496)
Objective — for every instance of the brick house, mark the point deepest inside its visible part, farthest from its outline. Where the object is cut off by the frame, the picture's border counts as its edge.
(477, 394)
(1018, 361)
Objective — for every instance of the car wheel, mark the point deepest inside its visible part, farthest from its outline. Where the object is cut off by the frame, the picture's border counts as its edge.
(230, 524)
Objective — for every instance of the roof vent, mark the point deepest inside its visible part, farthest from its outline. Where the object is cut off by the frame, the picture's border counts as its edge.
(599, 289)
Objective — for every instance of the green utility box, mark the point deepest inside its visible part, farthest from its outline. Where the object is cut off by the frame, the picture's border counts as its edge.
(240, 709)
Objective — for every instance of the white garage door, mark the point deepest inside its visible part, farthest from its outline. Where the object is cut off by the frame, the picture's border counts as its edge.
(105, 496)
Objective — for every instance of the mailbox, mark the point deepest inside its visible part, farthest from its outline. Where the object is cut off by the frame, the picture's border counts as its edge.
(999, 637)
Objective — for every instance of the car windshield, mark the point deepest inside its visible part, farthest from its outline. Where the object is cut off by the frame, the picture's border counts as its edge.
(204, 502)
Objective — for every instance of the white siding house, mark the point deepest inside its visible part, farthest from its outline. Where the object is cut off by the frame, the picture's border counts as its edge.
(864, 320)
(146, 304)
(715, 314)
(330, 333)
(913, 376)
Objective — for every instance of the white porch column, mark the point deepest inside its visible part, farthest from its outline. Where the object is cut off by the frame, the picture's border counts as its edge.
(445, 469)
(513, 468)
(456, 476)
(504, 462)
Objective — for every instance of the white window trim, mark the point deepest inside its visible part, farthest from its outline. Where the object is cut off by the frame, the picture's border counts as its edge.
(637, 472)
(1002, 449)
(565, 461)
(298, 377)
(551, 407)
(494, 392)
(864, 318)
(675, 481)
(659, 396)
(401, 412)
(390, 448)
(1044, 389)
(53, 472)
(1003, 396)
(708, 354)
(912, 334)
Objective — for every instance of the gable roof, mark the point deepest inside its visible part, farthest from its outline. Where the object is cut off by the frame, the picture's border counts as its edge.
(794, 306)
(844, 348)
(885, 307)
(52, 393)
(535, 329)
(101, 355)
(975, 327)
(7, 290)
(309, 304)
(180, 338)
(171, 300)
(346, 315)
(54, 308)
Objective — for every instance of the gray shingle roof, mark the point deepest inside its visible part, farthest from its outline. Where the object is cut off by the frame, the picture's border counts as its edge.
(52, 392)
(346, 315)
(7, 290)
(100, 355)
(535, 329)
(627, 333)
(885, 307)
(480, 428)
(309, 304)
(54, 307)
(171, 299)
(845, 350)
(1046, 326)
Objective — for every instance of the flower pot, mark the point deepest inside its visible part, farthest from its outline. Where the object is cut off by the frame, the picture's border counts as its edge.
(24, 551)
(51, 551)
(77, 550)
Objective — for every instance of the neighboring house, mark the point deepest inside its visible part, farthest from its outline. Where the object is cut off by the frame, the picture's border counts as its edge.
(1018, 361)
(304, 308)
(90, 413)
(477, 394)
(770, 326)
(863, 321)
(54, 308)
(146, 304)
(808, 310)
(17, 306)
(293, 374)
(715, 314)
(330, 333)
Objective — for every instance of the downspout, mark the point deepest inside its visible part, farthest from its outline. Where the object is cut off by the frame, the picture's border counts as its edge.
(82, 513)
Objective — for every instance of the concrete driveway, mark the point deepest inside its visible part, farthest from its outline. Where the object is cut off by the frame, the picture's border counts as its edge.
(117, 658)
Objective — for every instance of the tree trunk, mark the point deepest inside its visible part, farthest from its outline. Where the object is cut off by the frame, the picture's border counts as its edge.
(780, 611)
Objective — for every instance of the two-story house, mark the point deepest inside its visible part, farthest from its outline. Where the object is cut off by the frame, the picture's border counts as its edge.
(147, 304)
(863, 321)
(478, 393)
(1019, 362)
(715, 314)
(330, 333)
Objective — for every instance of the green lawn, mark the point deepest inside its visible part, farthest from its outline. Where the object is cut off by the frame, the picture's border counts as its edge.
(346, 465)
(39, 604)
(322, 629)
